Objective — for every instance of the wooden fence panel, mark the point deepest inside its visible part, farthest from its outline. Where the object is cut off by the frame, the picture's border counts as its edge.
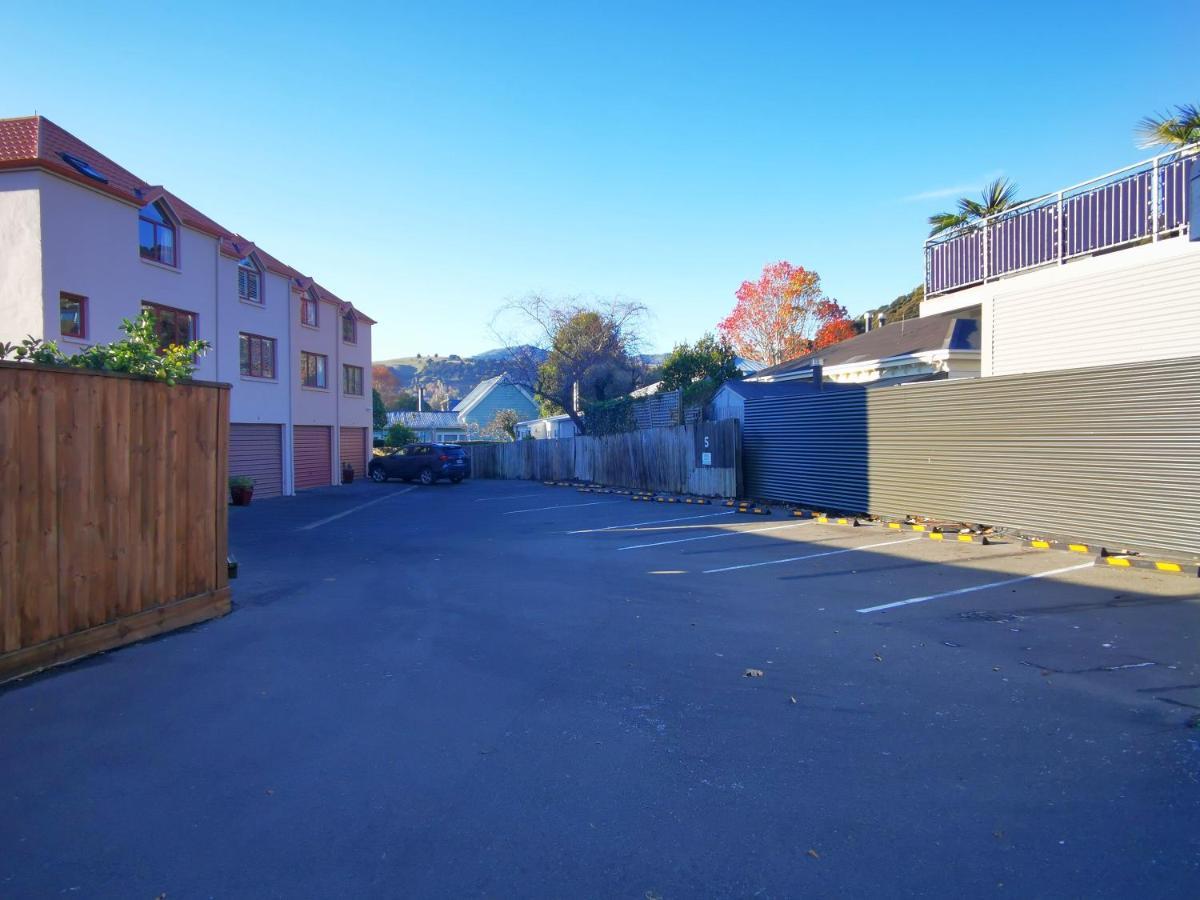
(113, 525)
(652, 459)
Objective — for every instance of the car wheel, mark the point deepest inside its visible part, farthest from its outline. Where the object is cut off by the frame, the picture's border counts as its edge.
(427, 476)
(378, 475)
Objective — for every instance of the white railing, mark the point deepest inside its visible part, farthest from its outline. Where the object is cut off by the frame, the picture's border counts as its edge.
(1144, 201)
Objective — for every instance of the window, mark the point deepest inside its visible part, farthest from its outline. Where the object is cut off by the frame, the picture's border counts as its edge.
(312, 370)
(156, 234)
(175, 326)
(257, 355)
(308, 311)
(249, 281)
(83, 166)
(350, 328)
(72, 316)
(352, 380)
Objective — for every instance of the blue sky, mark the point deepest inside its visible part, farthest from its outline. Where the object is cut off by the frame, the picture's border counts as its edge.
(428, 161)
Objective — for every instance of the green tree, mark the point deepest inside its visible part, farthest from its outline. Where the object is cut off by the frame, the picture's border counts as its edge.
(503, 425)
(563, 343)
(710, 359)
(399, 434)
(378, 412)
(996, 197)
(1177, 129)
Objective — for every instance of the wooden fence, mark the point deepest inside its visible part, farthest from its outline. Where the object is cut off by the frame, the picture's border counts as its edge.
(112, 511)
(703, 459)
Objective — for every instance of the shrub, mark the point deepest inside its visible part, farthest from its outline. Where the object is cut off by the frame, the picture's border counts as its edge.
(139, 353)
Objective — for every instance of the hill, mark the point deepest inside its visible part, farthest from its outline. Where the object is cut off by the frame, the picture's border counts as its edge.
(445, 379)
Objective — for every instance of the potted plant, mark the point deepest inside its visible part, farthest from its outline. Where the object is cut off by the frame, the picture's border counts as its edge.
(241, 489)
(347, 473)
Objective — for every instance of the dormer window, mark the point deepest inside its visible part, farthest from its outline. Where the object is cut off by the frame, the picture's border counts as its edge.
(249, 281)
(309, 311)
(156, 234)
(350, 328)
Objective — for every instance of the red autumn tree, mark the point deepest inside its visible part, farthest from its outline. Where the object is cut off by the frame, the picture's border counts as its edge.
(778, 317)
(834, 333)
(386, 382)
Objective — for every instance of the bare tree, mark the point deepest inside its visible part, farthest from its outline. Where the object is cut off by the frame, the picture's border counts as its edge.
(554, 344)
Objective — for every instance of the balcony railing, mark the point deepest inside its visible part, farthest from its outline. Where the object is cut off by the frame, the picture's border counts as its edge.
(1145, 201)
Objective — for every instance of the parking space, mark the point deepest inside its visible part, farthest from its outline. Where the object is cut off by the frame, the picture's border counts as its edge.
(459, 689)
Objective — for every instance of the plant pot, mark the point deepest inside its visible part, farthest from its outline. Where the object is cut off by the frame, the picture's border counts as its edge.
(347, 474)
(240, 496)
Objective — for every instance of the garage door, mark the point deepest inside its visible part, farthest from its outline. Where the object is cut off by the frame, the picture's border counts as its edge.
(313, 456)
(353, 450)
(257, 450)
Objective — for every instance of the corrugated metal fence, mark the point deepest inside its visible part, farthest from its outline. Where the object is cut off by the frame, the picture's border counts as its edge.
(1110, 455)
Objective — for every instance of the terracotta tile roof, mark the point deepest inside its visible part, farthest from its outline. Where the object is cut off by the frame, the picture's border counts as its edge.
(36, 142)
(18, 139)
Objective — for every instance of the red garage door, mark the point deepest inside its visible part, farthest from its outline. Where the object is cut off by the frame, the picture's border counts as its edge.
(314, 456)
(257, 450)
(353, 449)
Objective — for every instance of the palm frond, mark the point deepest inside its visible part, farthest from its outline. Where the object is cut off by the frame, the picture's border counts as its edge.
(946, 222)
(1170, 129)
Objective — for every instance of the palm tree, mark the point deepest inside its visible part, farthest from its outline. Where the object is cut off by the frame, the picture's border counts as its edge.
(996, 197)
(1168, 130)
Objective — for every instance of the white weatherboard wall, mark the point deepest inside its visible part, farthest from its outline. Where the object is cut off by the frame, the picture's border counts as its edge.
(1132, 305)
(20, 257)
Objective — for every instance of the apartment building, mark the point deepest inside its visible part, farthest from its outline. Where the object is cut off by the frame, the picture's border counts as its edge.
(86, 243)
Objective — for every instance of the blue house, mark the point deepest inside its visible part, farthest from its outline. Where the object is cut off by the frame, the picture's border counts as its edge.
(489, 397)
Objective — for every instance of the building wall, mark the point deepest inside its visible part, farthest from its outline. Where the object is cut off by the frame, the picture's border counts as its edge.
(355, 411)
(315, 406)
(502, 396)
(90, 248)
(254, 399)
(1131, 305)
(21, 257)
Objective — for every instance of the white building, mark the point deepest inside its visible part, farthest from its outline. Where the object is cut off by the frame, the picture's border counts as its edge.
(86, 243)
(1102, 273)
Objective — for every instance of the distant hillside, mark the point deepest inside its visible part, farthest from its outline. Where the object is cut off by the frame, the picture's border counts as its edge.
(445, 379)
(906, 306)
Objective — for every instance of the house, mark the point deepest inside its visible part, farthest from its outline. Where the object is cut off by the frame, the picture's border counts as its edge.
(480, 406)
(442, 426)
(559, 426)
(86, 243)
(1102, 273)
(946, 345)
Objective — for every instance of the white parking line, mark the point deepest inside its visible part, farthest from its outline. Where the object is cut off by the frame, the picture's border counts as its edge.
(978, 587)
(651, 522)
(779, 562)
(713, 537)
(513, 512)
(510, 497)
(353, 509)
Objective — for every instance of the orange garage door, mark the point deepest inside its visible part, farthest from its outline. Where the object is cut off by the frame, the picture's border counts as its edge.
(257, 450)
(353, 449)
(314, 455)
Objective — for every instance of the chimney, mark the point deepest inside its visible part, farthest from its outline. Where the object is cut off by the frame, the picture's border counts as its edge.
(818, 373)
(866, 323)
(882, 320)
(575, 396)
(420, 399)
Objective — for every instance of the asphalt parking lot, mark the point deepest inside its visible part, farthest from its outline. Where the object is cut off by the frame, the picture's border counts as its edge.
(508, 689)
